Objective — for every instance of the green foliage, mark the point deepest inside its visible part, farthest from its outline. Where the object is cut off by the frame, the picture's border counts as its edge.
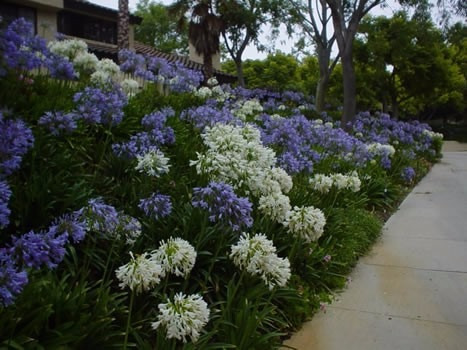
(159, 28)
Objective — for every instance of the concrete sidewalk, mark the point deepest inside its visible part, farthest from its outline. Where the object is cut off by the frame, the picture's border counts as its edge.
(411, 291)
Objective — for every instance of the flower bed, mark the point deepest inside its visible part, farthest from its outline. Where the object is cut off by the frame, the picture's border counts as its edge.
(206, 218)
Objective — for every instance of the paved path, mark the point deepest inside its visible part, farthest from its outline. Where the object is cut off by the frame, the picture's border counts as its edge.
(411, 291)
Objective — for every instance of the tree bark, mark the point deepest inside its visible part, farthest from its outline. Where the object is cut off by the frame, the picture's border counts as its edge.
(208, 68)
(324, 75)
(350, 89)
(123, 30)
(240, 76)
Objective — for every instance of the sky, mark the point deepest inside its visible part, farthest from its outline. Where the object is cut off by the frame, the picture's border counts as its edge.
(283, 43)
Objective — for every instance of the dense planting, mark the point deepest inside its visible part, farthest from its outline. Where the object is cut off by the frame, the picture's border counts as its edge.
(138, 209)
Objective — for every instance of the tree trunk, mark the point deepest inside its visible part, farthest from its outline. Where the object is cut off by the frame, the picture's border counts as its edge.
(395, 108)
(350, 89)
(208, 69)
(240, 77)
(324, 75)
(123, 30)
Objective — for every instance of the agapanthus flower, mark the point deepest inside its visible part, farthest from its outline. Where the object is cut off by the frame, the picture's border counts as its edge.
(306, 222)
(140, 275)
(12, 278)
(176, 256)
(183, 317)
(275, 205)
(15, 140)
(58, 122)
(5, 194)
(157, 206)
(85, 62)
(69, 48)
(73, 225)
(101, 217)
(40, 249)
(129, 228)
(223, 205)
(257, 255)
(408, 174)
(153, 163)
(130, 87)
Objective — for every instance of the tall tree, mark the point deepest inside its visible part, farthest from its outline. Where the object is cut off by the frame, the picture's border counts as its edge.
(204, 28)
(123, 41)
(346, 16)
(313, 17)
(422, 76)
(243, 20)
(159, 29)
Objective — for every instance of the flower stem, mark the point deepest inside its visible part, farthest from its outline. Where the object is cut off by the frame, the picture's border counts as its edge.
(125, 342)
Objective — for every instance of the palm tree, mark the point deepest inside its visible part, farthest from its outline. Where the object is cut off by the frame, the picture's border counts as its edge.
(123, 41)
(204, 28)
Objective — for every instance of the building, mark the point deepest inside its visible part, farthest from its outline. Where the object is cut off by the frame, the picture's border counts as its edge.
(95, 24)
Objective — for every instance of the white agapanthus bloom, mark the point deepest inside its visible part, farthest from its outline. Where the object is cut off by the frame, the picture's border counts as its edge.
(85, 62)
(153, 163)
(203, 92)
(130, 87)
(339, 180)
(100, 78)
(69, 48)
(176, 256)
(321, 183)
(183, 317)
(353, 182)
(433, 134)
(140, 274)
(329, 125)
(257, 255)
(212, 81)
(247, 108)
(275, 206)
(377, 148)
(109, 67)
(306, 222)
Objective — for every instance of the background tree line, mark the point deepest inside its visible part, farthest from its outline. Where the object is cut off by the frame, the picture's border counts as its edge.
(404, 64)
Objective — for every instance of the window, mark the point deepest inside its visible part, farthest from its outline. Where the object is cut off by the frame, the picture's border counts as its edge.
(87, 27)
(10, 12)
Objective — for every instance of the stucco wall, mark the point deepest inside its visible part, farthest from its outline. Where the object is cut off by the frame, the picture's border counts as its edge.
(216, 59)
(47, 23)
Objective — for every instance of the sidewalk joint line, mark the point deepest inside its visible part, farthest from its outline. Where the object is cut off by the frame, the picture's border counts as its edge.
(412, 268)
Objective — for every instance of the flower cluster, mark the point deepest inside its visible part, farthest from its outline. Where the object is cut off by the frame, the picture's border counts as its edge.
(257, 255)
(58, 122)
(408, 174)
(157, 206)
(107, 221)
(223, 205)
(247, 108)
(176, 256)
(157, 134)
(5, 194)
(207, 116)
(153, 163)
(183, 317)
(236, 156)
(15, 140)
(140, 274)
(306, 222)
(385, 152)
(99, 106)
(12, 278)
(323, 183)
(21, 50)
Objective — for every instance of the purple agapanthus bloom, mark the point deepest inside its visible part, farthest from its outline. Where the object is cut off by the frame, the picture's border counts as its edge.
(158, 134)
(15, 139)
(408, 174)
(58, 122)
(72, 225)
(101, 217)
(5, 194)
(204, 116)
(98, 106)
(157, 206)
(130, 61)
(40, 249)
(12, 278)
(223, 205)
